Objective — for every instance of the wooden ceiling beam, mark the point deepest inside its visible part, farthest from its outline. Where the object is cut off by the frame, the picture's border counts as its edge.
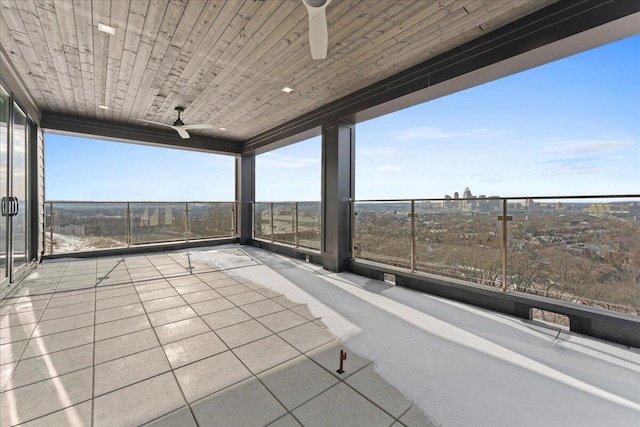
(106, 129)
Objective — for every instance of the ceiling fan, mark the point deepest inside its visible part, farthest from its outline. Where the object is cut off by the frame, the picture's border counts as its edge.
(317, 27)
(179, 125)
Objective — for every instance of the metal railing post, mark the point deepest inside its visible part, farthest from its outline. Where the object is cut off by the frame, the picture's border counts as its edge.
(253, 221)
(128, 224)
(354, 217)
(413, 235)
(187, 224)
(271, 222)
(504, 245)
(504, 218)
(234, 220)
(297, 238)
(51, 231)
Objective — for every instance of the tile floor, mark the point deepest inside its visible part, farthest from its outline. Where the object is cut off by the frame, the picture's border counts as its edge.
(159, 340)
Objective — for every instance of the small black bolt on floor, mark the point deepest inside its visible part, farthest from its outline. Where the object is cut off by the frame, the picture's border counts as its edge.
(343, 357)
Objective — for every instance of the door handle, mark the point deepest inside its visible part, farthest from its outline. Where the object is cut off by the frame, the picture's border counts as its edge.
(10, 206)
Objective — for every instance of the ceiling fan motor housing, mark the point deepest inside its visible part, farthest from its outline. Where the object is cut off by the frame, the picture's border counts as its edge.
(315, 3)
(179, 122)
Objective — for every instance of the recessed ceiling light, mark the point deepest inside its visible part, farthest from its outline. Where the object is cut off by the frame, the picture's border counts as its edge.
(104, 107)
(223, 129)
(106, 29)
(287, 89)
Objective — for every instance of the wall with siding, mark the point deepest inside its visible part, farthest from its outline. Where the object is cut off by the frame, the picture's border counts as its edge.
(41, 193)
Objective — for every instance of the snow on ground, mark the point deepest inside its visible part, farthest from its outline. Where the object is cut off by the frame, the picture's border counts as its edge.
(66, 243)
(464, 366)
(253, 270)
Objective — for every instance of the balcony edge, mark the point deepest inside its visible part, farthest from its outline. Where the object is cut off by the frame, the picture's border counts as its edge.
(144, 248)
(619, 328)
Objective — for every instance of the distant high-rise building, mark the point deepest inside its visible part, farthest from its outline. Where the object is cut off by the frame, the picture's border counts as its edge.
(469, 202)
(495, 202)
(467, 193)
(481, 203)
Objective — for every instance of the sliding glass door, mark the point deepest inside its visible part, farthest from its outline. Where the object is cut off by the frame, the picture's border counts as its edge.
(14, 142)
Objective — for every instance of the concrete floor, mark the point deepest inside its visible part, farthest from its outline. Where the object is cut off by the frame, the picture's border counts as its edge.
(234, 335)
(162, 339)
(462, 365)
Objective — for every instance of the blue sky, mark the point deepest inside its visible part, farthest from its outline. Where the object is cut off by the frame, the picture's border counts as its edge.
(567, 128)
(89, 169)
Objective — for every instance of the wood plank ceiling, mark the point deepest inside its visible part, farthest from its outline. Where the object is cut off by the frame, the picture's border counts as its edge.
(226, 61)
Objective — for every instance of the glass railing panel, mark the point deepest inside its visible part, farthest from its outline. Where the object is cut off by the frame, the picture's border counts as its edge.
(210, 220)
(460, 239)
(157, 222)
(309, 225)
(47, 229)
(383, 232)
(581, 250)
(262, 220)
(284, 223)
(79, 227)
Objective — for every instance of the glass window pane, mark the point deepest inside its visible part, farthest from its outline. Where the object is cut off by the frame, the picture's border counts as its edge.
(4, 157)
(79, 227)
(19, 187)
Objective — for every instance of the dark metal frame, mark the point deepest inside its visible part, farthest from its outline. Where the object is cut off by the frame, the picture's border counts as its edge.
(65, 123)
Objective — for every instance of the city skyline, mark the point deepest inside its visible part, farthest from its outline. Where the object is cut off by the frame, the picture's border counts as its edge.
(545, 131)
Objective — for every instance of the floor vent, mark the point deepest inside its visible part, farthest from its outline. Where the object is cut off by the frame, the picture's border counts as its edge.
(550, 317)
(390, 278)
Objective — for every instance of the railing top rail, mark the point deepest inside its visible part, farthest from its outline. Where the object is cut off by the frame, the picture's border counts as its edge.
(598, 196)
(287, 201)
(136, 201)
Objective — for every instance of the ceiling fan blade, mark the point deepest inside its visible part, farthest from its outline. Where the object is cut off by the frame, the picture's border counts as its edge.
(318, 38)
(181, 131)
(197, 126)
(155, 123)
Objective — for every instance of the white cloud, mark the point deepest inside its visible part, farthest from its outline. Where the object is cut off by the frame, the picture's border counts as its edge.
(575, 171)
(375, 152)
(436, 133)
(389, 168)
(582, 147)
(283, 162)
